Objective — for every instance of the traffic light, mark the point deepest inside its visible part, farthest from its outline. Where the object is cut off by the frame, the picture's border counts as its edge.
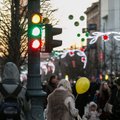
(50, 43)
(35, 44)
(84, 30)
(35, 31)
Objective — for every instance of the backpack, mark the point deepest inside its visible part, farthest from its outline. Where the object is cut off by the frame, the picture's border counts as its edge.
(10, 107)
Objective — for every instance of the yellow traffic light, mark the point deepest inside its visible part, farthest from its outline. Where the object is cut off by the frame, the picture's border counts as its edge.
(36, 18)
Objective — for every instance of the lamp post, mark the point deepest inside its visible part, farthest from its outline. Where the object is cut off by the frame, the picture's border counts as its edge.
(34, 87)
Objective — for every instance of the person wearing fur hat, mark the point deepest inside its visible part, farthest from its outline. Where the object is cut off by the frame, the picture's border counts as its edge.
(92, 113)
(61, 103)
(116, 103)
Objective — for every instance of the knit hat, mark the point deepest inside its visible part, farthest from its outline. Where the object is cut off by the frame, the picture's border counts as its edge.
(65, 83)
(117, 80)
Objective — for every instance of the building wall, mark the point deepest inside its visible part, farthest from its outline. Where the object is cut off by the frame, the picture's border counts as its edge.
(93, 17)
(104, 8)
(110, 21)
(110, 15)
(103, 15)
(114, 15)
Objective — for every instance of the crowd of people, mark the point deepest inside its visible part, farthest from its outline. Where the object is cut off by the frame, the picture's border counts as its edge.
(100, 102)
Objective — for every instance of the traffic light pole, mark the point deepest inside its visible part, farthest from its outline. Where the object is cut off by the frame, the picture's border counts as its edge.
(34, 87)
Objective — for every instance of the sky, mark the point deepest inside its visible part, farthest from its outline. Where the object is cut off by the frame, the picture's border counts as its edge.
(69, 30)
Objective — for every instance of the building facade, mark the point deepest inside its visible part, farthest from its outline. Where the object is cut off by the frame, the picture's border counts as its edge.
(94, 50)
(110, 22)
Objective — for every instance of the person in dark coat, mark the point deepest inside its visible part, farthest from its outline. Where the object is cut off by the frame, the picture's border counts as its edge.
(103, 99)
(10, 81)
(116, 104)
(103, 95)
(52, 84)
(80, 101)
(114, 89)
(94, 86)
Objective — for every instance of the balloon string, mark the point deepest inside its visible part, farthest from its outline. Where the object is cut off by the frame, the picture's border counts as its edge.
(76, 97)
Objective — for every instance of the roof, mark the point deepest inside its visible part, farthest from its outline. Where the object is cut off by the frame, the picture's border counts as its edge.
(92, 7)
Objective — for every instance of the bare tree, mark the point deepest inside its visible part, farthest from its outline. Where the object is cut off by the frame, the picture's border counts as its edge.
(47, 12)
(13, 32)
(13, 29)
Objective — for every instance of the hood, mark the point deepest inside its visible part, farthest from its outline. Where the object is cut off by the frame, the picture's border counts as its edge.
(64, 83)
(11, 73)
(93, 104)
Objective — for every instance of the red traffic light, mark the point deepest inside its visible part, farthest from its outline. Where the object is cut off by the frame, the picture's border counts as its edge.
(35, 44)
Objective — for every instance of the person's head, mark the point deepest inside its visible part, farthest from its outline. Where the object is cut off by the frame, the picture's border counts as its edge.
(92, 106)
(93, 79)
(11, 73)
(97, 92)
(53, 79)
(65, 83)
(104, 88)
(104, 85)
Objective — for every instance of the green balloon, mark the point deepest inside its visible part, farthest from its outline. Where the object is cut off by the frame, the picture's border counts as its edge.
(82, 18)
(70, 17)
(76, 23)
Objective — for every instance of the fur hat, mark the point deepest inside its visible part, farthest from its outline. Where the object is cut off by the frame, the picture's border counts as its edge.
(65, 83)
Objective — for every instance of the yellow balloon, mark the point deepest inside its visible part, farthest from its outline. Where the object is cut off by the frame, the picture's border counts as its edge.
(82, 85)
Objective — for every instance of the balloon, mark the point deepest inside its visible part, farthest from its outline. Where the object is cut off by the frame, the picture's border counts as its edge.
(82, 85)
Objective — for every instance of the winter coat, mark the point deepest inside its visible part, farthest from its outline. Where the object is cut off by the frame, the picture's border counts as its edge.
(116, 106)
(10, 81)
(61, 105)
(91, 114)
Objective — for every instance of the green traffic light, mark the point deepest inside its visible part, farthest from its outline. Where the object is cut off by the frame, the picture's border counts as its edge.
(36, 31)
